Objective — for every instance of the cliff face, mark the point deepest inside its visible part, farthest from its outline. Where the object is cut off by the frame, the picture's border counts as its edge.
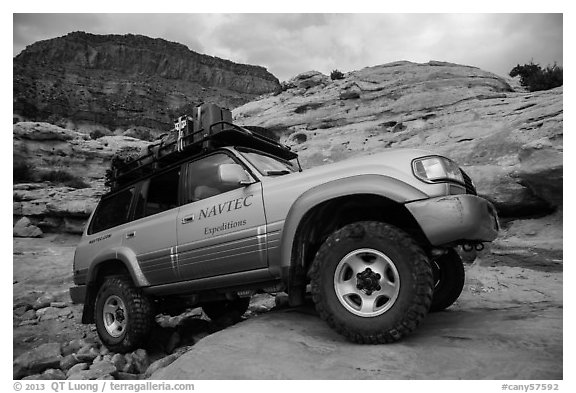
(122, 81)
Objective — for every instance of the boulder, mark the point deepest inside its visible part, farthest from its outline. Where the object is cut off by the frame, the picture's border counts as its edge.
(141, 360)
(87, 354)
(119, 361)
(37, 360)
(76, 369)
(28, 315)
(50, 374)
(89, 375)
(43, 301)
(19, 311)
(68, 361)
(104, 367)
(502, 187)
(24, 228)
(309, 79)
(121, 375)
(541, 170)
(75, 345)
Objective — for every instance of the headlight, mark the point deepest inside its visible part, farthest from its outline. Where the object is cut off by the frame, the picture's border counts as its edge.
(436, 168)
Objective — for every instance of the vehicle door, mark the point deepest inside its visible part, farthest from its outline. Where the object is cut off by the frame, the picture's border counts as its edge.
(221, 228)
(152, 234)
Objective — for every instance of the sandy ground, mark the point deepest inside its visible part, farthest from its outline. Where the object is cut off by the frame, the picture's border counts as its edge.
(506, 325)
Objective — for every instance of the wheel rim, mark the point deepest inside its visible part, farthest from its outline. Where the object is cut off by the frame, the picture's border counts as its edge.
(115, 316)
(366, 282)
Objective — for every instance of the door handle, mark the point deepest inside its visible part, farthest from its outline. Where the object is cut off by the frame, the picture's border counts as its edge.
(187, 219)
(130, 235)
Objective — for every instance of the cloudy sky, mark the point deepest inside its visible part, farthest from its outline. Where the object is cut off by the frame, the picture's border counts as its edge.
(288, 44)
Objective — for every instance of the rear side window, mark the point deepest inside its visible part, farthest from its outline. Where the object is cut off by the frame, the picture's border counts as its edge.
(112, 211)
(158, 194)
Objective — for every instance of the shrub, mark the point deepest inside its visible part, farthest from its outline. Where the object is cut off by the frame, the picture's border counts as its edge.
(335, 74)
(22, 173)
(534, 78)
(64, 178)
(76, 183)
(140, 133)
(97, 134)
(286, 86)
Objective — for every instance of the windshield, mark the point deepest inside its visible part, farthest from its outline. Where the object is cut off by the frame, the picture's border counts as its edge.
(270, 166)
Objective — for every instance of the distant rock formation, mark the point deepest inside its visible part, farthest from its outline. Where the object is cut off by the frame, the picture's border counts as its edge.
(509, 141)
(46, 148)
(122, 81)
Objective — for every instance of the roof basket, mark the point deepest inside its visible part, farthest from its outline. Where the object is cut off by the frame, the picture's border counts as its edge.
(209, 127)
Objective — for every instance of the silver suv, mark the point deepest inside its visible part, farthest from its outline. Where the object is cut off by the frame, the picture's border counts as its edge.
(233, 214)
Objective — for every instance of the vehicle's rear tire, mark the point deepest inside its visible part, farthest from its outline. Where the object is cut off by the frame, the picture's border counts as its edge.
(123, 315)
(371, 282)
(233, 309)
(449, 276)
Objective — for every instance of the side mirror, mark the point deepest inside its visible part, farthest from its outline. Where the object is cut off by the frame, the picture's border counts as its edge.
(233, 175)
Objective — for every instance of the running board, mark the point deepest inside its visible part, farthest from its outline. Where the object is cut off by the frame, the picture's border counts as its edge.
(240, 279)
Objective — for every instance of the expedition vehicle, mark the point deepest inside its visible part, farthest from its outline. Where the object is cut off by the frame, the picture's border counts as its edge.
(220, 213)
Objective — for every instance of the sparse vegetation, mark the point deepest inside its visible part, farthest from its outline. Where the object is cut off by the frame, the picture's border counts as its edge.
(336, 74)
(286, 85)
(62, 177)
(534, 78)
(22, 172)
(140, 133)
(97, 134)
(121, 158)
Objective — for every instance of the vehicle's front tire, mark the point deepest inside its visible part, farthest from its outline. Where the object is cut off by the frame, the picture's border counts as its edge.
(123, 314)
(233, 309)
(449, 276)
(371, 282)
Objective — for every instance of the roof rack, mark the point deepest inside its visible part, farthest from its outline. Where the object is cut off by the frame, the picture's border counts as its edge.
(178, 145)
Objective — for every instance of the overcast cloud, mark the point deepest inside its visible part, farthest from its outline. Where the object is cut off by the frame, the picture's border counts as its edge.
(288, 44)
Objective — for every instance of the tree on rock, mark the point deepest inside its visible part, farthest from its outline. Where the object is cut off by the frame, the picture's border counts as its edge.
(534, 78)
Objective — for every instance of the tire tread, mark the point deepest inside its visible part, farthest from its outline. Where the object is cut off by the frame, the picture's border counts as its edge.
(140, 317)
(422, 297)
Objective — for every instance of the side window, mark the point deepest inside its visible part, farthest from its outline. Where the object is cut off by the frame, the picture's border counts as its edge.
(112, 211)
(158, 194)
(203, 181)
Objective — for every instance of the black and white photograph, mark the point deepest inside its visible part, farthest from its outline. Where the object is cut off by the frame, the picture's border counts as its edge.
(304, 195)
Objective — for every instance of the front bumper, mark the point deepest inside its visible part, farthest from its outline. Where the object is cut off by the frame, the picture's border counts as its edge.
(456, 219)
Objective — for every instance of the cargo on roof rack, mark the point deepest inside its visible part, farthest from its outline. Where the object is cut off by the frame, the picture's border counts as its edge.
(210, 127)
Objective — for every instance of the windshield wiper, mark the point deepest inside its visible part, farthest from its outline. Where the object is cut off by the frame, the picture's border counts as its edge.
(277, 173)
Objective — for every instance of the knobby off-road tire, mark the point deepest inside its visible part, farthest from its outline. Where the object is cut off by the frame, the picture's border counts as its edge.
(371, 282)
(123, 314)
(448, 272)
(233, 309)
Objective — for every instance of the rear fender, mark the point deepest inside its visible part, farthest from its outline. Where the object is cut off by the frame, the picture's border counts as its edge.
(123, 255)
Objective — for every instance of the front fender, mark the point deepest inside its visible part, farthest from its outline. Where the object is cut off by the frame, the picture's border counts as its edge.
(380, 185)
